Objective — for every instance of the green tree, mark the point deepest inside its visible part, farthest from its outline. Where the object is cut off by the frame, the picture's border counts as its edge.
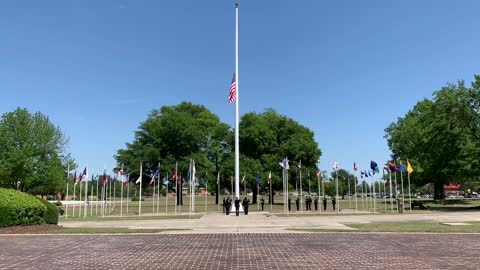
(441, 137)
(31, 153)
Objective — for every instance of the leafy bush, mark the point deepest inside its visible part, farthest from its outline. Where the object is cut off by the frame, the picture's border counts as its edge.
(136, 199)
(51, 216)
(58, 203)
(18, 208)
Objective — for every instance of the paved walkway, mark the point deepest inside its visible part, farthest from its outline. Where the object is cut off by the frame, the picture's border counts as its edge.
(258, 222)
(241, 251)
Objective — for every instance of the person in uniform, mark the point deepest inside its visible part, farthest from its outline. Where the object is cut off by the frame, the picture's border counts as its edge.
(245, 205)
(237, 206)
(324, 200)
(224, 204)
(334, 202)
(315, 203)
(289, 204)
(262, 202)
(297, 202)
(228, 204)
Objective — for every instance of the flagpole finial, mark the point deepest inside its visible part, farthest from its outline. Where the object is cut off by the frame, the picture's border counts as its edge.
(236, 3)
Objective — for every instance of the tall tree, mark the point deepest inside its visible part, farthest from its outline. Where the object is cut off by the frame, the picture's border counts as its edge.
(31, 153)
(441, 137)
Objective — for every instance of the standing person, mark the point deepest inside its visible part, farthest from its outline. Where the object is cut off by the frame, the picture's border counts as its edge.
(324, 203)
(237, 206)
(315, 203)
(297, 202)
(334, 202)
(224, 204)
(289, 204)
(245, 205)
(228, 204)
(262, 202)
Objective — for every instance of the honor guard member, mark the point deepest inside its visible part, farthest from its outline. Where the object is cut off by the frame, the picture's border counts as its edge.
(245, 205)
(324, 200)
(315, 203)
(297, 202)
(228, 204)
(334, 202)
(289, 204)
(237, 206)
(262, 202)
(224, 204)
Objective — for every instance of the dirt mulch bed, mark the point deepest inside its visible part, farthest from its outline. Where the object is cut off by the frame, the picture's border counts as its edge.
(32, 229)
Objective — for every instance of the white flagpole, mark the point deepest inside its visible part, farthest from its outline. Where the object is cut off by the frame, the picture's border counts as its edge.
(301, 190)
(391, 190)
(158, 191)
(110, 191)
(74, 196)
(206, 192)
(91, 198)
(409, 192)
(140, 201)
(66, 199)
(349, 193)
(403, 195)
(318, 183)
(336, 195)
(373, 194)
(385, 194)
(96, 205)
(128, 191)
(356, 197)
(86, 198)
(121, 198)
(153, 196)
(80, 199)
(396, 188)
(237, 133)
(166, 195)
(114, 194)
(363, 199)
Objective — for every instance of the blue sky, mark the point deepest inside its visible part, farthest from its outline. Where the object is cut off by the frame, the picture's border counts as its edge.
(345, 69)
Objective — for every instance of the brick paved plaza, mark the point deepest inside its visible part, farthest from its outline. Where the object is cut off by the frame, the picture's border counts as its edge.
(242, 251)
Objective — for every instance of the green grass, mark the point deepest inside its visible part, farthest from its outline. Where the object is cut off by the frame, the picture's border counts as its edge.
(109, 230)
(110, 218)
(419, 226)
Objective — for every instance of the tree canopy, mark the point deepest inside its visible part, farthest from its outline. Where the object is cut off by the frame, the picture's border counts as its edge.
(32, 155)
(441, 137)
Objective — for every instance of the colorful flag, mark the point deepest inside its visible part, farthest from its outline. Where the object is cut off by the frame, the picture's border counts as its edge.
(104, 178)
(392, 166)
(194, 171)
(258, 178)
(355, 167)
(139, 179)
(403, 168)
(270, 177)
(285, 164)
(120, 172)
(152, 179)
(361, 174)
(233, 90)
(231, 180)
(374, 167)
(218, 178)
(318, 172)
(409, 167)
(243, 180)
(299, 165)
(335, 166)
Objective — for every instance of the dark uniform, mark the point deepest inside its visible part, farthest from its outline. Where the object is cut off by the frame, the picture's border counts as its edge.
(245, 205)
(237, 206)
(315, 203)
(228, 204)
(324, 204)
(289, 204)
(297, 202)
(262, 202)
(334, 203)
(224, 205)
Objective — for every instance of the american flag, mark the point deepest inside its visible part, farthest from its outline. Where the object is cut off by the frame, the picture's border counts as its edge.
(233, 90)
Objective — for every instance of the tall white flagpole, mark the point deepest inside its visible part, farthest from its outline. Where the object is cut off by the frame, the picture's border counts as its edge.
(158, 191)
(96, 199)
(237, 133)
(166, 195)
(86, 198)
(80, 199)
(355, 187)
(66, 198)
(128, 190)
(409, 193)
(91, 198)
(74, 195)
(121, 198)
(110, 190)
(140, 201)
(153, 196)
(336, 195)
(374, 197)
(391, 190)
(176, 186)
(301, 190)
(206, 192)
(396, 188)
(403, 194)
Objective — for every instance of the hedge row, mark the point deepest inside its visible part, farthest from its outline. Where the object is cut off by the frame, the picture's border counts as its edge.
(18, 208)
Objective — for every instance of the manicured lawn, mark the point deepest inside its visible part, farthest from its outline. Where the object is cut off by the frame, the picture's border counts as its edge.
(108, 218)
(108, 230)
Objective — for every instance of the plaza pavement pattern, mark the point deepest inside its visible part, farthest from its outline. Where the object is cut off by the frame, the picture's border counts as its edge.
(242, 251)
(264, 222)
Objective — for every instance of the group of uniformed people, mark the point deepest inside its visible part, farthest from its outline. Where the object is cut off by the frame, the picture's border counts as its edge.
(227, 204)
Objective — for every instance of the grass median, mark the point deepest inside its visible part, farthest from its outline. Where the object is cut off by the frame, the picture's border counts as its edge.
(109, 230)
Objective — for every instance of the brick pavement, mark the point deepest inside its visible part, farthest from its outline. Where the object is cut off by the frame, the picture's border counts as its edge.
(242, 251)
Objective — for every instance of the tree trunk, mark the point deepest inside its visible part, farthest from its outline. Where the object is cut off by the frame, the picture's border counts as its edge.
(438, 191)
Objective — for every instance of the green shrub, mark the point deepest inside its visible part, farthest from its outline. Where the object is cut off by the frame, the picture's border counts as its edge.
(58, 203)
(52, 212)
(136, 199)
(18, 208)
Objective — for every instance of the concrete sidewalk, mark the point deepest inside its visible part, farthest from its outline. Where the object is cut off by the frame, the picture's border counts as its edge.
(264, 222)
